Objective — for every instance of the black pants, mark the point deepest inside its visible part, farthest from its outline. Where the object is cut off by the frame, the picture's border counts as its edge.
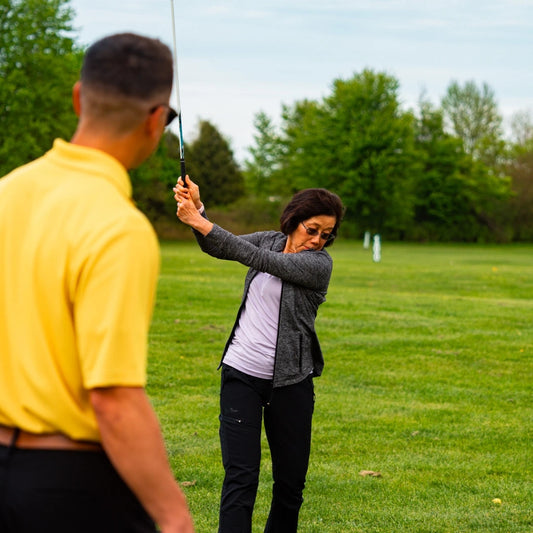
(56, 491)
(287, 417)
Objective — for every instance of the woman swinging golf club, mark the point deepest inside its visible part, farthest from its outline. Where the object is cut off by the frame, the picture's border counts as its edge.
(273, 353)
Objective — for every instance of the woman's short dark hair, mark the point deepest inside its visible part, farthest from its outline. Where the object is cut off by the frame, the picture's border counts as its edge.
(311, 203)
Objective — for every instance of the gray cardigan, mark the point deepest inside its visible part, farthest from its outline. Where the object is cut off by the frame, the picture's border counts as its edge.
(305, 278)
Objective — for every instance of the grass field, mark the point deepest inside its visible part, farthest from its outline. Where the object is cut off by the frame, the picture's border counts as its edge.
(428, 381)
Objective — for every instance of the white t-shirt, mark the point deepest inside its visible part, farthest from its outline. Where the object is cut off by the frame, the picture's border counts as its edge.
(253, 347)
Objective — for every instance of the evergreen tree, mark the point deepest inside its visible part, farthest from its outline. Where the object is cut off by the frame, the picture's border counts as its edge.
(153, 181)
(260, 171)
(211, 164)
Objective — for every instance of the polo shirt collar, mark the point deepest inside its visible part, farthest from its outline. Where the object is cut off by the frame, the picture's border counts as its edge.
(93, 161)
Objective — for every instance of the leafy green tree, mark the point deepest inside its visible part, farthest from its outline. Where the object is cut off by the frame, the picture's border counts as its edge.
(297, 151)
(473, 115)
(457, 198)
(39, 63)
(439, 213)
(359, 144)
(211, 164)
(520, 168)
(522, 132)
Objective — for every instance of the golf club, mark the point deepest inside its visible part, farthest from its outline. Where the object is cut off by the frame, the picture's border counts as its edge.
(178, 104)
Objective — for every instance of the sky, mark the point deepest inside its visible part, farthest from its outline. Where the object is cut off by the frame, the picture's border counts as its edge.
(239, 57)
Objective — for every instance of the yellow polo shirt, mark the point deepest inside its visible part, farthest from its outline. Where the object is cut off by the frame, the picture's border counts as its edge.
(78, 273)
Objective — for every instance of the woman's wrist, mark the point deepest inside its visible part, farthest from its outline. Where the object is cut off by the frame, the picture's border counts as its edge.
(202, 225)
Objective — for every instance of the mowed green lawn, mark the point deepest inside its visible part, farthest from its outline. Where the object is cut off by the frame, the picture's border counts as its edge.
(428, 383)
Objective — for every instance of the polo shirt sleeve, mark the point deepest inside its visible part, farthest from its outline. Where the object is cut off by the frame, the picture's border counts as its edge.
(113, 305)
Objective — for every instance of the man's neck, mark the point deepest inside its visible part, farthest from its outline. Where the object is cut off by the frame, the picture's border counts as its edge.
(119, 148)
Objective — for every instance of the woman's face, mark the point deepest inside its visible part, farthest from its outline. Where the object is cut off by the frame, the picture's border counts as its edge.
(301, 239)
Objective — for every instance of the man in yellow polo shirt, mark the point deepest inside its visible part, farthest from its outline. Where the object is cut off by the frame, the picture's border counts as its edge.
(80, 446)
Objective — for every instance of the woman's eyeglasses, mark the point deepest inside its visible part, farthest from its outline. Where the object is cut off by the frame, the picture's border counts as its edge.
(314, 232)
(171, 115)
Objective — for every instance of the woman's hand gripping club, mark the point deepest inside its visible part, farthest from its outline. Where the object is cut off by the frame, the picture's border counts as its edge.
(189, 206)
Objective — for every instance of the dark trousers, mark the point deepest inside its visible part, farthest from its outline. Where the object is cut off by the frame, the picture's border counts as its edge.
(56, 491)
(287, 417)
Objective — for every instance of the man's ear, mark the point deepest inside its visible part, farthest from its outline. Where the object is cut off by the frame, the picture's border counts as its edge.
(155, 122)
(76, 98)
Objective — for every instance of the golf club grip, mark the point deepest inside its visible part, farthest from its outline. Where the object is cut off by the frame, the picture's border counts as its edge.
(183, 172)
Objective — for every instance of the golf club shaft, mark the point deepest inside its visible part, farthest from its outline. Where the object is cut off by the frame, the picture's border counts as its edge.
(182, 154)
(178, 103)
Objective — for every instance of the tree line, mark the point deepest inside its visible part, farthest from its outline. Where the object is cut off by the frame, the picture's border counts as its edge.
(435, 173)
(440, 173)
